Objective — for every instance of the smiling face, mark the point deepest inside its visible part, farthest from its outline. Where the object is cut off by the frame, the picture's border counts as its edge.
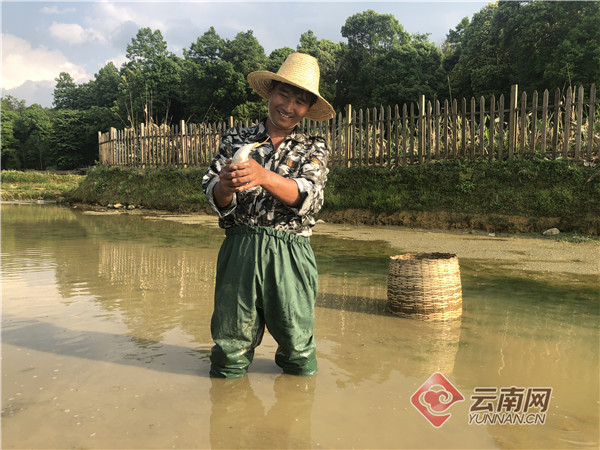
(288, 105)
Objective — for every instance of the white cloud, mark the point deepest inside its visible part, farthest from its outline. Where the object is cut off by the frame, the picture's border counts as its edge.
(118, 61)
(74, 33)
(22, 62)
(143, 14)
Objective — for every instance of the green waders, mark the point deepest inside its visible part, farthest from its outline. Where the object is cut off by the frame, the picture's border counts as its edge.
(264, 277)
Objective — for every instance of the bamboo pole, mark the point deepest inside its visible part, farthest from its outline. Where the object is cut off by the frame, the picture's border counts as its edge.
(533, 127)
(590, 123)
(567, 124)
(579, 123)
(544, 121)
(473, 127)
(481, 126)
(437, 122)
(557, 105)
(523, 127)
(491, 140)
(512, 121)
(501, 128)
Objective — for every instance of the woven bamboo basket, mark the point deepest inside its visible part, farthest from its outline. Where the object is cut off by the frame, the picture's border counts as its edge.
(425, 286)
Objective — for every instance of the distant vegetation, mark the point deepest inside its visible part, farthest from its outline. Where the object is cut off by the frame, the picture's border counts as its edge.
(538, 45)
(514, 196)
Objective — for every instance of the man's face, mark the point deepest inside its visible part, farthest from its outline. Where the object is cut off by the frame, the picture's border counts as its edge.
(287, 107)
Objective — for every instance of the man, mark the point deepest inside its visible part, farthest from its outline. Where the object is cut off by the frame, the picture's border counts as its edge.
(266, 270)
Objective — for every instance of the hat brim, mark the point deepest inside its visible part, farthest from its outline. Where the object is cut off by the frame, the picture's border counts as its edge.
(260, 81)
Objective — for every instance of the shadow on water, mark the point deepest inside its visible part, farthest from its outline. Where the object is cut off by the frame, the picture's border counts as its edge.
(92, 345)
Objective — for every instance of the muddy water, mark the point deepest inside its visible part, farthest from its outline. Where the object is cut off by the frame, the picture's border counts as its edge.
(105, 344)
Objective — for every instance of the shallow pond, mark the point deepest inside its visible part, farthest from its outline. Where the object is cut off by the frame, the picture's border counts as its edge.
(105, 344)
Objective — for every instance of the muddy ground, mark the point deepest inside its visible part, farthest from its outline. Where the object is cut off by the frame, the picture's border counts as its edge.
(536, 254)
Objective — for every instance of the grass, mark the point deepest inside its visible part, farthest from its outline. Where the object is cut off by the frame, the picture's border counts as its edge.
(33, 185)
(517, 196)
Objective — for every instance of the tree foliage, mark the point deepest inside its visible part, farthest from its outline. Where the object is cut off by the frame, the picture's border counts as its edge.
(537, 45)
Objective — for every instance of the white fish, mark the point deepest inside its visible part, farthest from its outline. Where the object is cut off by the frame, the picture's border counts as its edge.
(244, 152)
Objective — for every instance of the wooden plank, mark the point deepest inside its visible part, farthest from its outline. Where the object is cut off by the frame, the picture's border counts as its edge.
(397, 133)
(464, 122)
(421, 130)
(411, 133)
(454, 128)
(590, 124)
(437, 122)
(544, 123)
(579, 124)
(446, 130)
(361, 132)
(533, 127)
(557, 105)
(381, 136)
(428, 133)
(347, 144)
(492, 129)
(404, 133)
(340, 147)
(481, 126)
(512, 121)
(472, 128)
(567, 123)
(523, 127)
(501, 128)
(389, 137)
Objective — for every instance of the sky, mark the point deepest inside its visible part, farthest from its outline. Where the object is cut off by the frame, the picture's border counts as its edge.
(42, 39)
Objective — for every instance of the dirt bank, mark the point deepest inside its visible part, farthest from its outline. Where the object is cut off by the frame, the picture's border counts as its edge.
(537, 254)
(443, 220)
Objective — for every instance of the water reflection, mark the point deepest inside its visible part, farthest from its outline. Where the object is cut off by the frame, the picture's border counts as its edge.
(137, 293)
(239, 418)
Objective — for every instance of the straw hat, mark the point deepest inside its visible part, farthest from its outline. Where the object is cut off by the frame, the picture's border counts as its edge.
(300, 70)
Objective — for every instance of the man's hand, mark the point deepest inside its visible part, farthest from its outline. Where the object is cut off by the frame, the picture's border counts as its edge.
(241, 177)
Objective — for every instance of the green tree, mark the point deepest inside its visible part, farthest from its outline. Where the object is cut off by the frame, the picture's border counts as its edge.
(105, 88)
(151, 80)
(66, 139)
(32, 129)
(384, 65)
(10, 111)
(65, 92)
(216, 71)
(539, 45)
(327, 53)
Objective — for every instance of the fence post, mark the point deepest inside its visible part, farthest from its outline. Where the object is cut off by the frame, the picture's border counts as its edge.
(590, 122)
(185, 159)
(113, 136)
(567, 125)
(421, 127)
(347, 135)
(100, 155)
(512, 120)
(579, 122)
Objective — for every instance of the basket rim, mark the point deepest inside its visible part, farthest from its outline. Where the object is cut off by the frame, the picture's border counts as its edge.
(416, 256)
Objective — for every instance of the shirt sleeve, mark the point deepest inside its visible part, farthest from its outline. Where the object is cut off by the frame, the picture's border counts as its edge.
(312, 178)
(211, 177)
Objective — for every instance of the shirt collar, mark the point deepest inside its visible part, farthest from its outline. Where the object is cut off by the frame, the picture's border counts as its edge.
(295, 134)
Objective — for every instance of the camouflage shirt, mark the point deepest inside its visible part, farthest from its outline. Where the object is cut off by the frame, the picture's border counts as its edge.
(300, 157)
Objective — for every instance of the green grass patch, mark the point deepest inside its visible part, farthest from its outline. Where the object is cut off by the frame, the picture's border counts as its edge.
(30, 185)
(518, 187)
(155, 188)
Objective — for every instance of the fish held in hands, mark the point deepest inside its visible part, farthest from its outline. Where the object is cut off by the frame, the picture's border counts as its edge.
(244, 152)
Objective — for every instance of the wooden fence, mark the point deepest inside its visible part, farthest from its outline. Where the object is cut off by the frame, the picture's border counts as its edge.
(494, 129)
